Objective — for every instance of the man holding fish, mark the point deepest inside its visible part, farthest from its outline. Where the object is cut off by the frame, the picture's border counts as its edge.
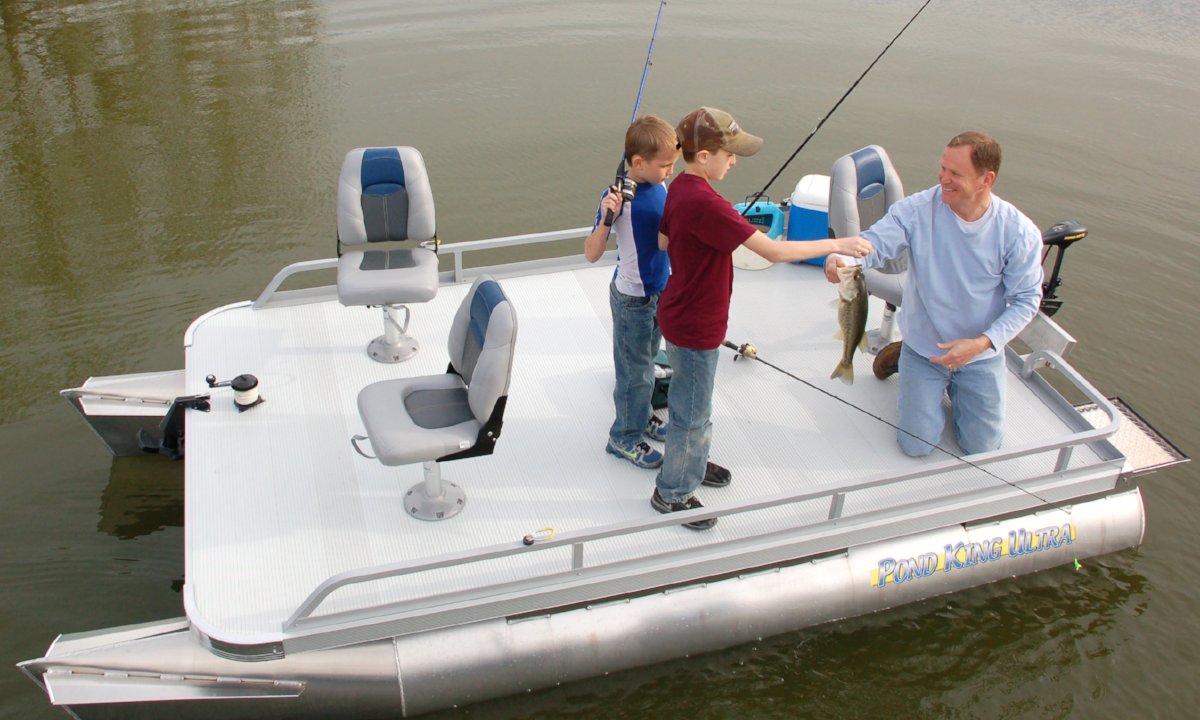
(974, 281)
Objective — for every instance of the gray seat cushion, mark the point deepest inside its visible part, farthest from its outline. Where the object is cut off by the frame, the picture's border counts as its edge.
(391, 277)
(411, 420)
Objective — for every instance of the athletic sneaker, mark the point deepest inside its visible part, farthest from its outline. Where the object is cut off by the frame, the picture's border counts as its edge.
(640, 454)
(716, 476)
(657, 502)
(656, 429)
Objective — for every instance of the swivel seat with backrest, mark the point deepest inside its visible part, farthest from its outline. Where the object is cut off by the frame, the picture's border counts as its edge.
(384, 196)
(437, 418)
(862, 186)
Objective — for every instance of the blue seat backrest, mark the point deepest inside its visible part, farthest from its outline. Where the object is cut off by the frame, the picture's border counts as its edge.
(481, 344)
(384, 195)
(868, 166)
(863, 185)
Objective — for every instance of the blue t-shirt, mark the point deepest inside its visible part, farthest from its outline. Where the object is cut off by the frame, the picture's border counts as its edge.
(964, 279)
(642, 268)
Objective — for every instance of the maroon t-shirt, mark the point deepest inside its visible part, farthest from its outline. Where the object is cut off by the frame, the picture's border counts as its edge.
(702, 230)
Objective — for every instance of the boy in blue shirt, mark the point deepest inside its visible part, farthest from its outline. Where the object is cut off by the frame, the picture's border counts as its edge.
(639, 278)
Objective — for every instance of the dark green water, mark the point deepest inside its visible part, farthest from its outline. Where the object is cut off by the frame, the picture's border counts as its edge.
(161, 158)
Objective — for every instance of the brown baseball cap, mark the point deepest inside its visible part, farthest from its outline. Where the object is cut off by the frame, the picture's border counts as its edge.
(711, 129)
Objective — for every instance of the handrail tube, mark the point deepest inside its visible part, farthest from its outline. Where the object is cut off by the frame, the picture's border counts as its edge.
(510, 240)
(457, 250)
(739, 547)
(380, 572)
(288, 271)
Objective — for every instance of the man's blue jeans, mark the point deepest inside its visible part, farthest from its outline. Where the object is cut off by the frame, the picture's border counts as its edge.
(976, 403)
(689, 431)
(636, 338)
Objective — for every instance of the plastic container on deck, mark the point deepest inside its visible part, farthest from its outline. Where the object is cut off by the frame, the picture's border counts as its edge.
(765, 215)
(808, 217)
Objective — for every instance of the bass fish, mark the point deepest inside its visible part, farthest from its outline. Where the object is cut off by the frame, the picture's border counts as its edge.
(852, 320)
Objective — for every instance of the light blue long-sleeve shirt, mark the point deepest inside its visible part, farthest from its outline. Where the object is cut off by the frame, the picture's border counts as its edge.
(964, 279)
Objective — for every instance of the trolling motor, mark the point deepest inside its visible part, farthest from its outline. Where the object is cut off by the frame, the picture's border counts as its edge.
(1059, 236)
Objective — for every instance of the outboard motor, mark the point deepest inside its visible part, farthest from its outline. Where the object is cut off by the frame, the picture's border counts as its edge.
(1061, 235)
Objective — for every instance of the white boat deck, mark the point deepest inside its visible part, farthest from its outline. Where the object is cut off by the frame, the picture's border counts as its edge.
(277, 500)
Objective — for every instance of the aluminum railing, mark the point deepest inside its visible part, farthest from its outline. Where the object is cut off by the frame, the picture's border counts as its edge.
(272, 296)
(495, 600)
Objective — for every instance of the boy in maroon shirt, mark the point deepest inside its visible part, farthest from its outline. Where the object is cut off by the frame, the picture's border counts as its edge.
(700, 230)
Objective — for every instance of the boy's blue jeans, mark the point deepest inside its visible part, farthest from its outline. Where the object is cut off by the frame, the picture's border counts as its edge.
(976, 402)
(689, 432)
(636, 338)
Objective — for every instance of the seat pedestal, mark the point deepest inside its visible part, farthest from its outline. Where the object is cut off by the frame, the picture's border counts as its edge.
(434, 499)
(886, 334)
(395, 344)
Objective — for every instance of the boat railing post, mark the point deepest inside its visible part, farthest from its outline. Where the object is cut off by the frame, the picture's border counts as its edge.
(837, 501)
(1064, 458)
(1048, 358)
(577, 556)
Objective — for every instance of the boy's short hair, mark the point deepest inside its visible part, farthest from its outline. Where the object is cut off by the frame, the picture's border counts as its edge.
(985, 151)
(711, 129)
(648, 136)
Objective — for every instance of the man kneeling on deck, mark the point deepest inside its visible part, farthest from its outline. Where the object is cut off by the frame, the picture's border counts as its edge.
(974, 281)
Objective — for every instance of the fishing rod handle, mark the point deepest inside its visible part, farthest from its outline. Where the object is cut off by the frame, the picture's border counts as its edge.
(627, 188)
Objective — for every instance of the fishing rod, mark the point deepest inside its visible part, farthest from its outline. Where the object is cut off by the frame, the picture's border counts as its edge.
(832, 110)
(626, 186)
(750, 352)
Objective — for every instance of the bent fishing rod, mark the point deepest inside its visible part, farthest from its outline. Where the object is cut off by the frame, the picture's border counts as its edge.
(832, 110)
(624, 185)
(750, 352)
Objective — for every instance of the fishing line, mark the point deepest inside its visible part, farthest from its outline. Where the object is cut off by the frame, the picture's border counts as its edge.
(620, 182)
(750, 352)
(836, 105)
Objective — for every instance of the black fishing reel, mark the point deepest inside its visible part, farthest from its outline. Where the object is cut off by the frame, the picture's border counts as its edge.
(627, 188)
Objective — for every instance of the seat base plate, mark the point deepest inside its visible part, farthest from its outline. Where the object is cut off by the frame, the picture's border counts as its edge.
(382, 351)
(424, 507)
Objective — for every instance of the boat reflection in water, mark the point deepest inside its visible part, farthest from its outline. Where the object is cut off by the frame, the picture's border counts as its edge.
(143, 496)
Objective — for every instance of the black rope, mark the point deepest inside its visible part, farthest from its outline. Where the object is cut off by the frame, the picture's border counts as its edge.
(838, 104)
(740, 350)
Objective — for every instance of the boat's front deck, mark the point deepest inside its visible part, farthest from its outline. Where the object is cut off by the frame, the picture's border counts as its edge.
(277, 500)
